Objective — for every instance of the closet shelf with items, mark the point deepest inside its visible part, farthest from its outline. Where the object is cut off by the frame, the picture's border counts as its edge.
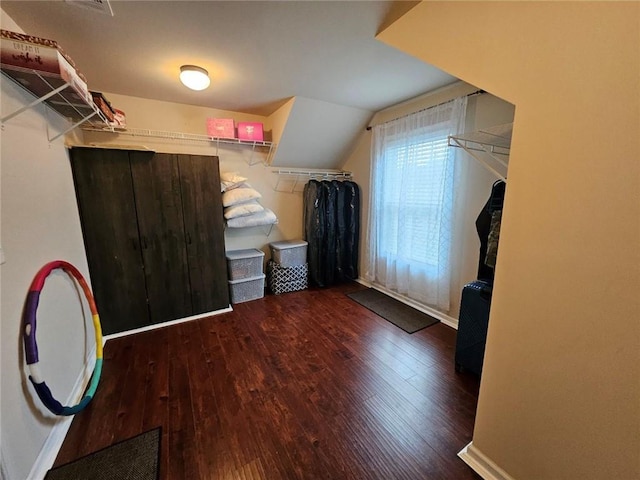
(256, 145)
(490, 146)
(241, 206)
(39, 66)
(290, 179)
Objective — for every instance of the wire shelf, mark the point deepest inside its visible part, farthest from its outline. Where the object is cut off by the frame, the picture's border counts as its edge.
(191, 137)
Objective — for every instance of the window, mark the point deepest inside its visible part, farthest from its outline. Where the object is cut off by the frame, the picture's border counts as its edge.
(411, 210)
(411, 205)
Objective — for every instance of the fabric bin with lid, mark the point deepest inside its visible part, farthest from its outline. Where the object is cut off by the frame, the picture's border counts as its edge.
(247, 289)
(287, 279)
(243, 264)
(289, 253)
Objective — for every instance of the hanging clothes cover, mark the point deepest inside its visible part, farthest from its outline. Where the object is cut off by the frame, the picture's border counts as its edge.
(332, 225)
(352, 231)
(331, 233)
(314, 229)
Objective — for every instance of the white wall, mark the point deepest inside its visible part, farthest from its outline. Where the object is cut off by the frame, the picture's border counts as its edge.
(40, 223)
(482, 111)
(560, 390)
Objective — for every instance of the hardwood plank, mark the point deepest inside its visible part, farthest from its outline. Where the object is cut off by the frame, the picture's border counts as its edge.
(156, 396)
(183, 462)
(305, 385)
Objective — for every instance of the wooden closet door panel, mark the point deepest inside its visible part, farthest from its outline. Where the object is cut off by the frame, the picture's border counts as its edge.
(159, 207)
(204, 231)
(104, 192)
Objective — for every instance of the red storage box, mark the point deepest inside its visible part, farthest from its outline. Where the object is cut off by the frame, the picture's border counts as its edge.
(250, 131)
(221, 128)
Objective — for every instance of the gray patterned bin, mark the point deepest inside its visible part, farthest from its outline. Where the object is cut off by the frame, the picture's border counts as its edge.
(287, 279)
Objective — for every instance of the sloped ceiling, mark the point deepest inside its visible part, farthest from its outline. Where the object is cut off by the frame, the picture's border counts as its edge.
(259, 55)
(318, 134)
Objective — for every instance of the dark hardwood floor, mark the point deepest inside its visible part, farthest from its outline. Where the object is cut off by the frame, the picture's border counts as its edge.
(303, 385)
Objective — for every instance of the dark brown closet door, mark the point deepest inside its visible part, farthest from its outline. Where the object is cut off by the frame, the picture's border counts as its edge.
(158, 201)
(204, 231)
(108, 216)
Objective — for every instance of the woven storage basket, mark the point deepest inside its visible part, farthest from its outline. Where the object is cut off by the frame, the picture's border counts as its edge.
(244, 263)
(289, 253)
(246, 289)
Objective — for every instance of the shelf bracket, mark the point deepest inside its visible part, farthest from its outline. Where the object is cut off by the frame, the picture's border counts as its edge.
(78, 123)
(455, 142)
(253, 151)
(268, 229)
(269, 154)
(34, 103)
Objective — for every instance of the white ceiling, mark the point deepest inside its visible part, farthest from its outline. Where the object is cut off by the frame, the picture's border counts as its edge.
(258, 54)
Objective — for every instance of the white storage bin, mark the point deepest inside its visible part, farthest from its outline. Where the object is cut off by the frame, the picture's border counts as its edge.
(289, 253)
(244, 263)
(246, 289)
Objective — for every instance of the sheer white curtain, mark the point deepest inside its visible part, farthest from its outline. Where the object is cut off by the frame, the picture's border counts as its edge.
(411, 214)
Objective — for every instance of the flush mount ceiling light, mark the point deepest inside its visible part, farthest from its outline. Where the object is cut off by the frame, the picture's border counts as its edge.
(195, 78)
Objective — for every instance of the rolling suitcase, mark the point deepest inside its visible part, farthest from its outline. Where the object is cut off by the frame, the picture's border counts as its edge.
(472, 326)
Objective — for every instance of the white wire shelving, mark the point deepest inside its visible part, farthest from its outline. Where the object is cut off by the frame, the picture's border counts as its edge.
(489, 146)
(67, 100)
(290, 180)
(256, 145)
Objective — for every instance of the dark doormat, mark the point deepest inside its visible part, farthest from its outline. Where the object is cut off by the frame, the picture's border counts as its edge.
(407, 318)
(134, 459)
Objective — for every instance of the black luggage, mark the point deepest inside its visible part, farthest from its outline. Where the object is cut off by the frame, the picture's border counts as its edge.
(472, 326)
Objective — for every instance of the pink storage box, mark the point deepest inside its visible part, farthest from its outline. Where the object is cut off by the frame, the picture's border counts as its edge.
(220, 128)
(250, 131)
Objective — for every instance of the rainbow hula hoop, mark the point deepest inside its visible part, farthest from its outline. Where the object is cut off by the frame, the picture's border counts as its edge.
(31, 347)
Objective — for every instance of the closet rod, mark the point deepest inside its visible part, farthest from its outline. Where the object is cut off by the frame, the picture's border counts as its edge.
(299, 175)
(314, 173)
(477, 92)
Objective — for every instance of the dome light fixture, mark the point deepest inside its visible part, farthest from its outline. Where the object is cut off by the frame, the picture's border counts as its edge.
(193, 77)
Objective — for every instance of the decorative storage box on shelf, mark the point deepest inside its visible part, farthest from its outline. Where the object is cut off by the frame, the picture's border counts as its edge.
(289, 253)
(250, 131)
(287, 279)
(40, 66)
(243, 264)
(103, 104)
(246, 289)
(221, 128)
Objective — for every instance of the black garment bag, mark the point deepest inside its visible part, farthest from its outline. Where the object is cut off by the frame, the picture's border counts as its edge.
(332, 225)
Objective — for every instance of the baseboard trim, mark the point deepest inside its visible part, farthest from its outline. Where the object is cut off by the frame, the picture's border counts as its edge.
(53, 443)
(443, 317)
(481, 464)
(166, 324)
